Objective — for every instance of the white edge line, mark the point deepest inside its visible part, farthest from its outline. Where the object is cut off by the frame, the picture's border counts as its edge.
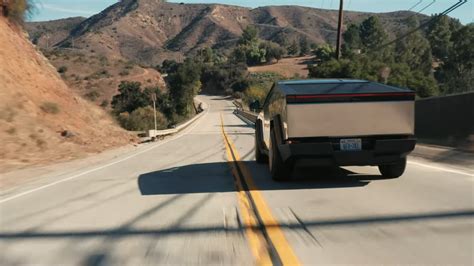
(101, 167)
(442, 169)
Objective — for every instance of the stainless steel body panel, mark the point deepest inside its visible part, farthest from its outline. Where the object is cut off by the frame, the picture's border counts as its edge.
(350, 119)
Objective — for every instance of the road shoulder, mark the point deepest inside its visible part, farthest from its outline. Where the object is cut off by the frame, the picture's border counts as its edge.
(449, 157)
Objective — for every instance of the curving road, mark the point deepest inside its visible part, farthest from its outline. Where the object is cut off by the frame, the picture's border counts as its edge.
(199, 198)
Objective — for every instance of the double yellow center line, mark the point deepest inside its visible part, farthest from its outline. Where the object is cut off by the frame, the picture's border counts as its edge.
(266, 239)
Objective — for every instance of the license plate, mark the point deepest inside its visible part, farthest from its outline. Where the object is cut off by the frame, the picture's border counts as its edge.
(351, 144)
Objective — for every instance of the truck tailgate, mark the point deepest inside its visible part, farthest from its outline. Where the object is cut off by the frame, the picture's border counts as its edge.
(341, 119)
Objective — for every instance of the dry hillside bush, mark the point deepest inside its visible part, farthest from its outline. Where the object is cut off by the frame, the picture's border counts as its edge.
(19, 10)
(50, 108)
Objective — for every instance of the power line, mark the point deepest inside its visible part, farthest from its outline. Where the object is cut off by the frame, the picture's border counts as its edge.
(423, 9)
(430, 21)
(415, 5)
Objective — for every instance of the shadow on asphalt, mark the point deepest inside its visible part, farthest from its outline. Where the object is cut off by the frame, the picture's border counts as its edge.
(128, 231)
(215, 177)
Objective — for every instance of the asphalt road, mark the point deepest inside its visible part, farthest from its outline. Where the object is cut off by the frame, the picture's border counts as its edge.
(199, 198)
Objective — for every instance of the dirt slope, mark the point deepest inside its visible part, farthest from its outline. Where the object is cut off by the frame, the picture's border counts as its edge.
(36, 106)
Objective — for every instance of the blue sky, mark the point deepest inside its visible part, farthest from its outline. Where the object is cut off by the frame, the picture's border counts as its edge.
(55, 9)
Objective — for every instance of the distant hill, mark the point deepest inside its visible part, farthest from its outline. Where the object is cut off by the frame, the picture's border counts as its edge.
(47, 34)
(150, 31)
(129, 38)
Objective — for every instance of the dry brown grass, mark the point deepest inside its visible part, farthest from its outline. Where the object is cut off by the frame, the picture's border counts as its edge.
(295, 67)
(50, 108)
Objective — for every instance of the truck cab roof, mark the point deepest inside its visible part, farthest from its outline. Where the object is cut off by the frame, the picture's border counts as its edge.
(335, 86)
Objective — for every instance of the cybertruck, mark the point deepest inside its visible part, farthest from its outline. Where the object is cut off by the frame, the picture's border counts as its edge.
(335, 123)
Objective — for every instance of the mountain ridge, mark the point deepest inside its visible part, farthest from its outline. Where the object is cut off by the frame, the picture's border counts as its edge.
(149, 32)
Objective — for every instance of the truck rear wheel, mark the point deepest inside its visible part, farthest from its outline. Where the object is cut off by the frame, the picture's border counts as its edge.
(393, 170)
(259, 156)
(279, 170)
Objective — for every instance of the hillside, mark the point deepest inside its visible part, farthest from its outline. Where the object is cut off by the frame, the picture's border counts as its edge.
(41, 119)
(128, 39)
(150, 31)
(47, 34)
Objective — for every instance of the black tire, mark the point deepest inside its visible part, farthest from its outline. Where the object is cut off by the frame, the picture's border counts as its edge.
(279, 170)
(393, 170)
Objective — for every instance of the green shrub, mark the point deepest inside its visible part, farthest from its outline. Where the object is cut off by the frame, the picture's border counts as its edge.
(325, 52)
(142, 119)
(50, 108)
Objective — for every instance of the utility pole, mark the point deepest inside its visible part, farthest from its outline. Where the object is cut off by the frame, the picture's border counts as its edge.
(339, 30)
(154, 98)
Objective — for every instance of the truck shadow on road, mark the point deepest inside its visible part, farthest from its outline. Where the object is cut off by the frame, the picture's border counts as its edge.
(217, 177)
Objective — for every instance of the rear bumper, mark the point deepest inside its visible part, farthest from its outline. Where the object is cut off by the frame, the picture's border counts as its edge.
(384, 151)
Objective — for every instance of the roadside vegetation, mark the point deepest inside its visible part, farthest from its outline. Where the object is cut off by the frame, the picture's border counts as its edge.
(18, 10)
(133, 107)
(252, 51)
(435, 62)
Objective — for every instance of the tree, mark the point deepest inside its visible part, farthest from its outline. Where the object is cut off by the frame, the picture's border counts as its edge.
(239, 54)
(365, 67)
(304, 46)
(206, 55)
(168, 66)
(130, 97)
(439, 35)
(218, 78)
(402, 76)
(351, 37)
(372, 33)
(282, 39)
(331, 69)
(184, 85)
(273, 51)
(255, 54)
(456, 73)
(293, 49)
(415, 50)
(249, 35)
(324, 52)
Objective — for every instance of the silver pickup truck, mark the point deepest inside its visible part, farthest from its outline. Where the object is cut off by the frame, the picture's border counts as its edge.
(335, 123)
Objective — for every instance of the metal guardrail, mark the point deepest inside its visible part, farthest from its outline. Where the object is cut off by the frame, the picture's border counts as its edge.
(251, 116)
(179, 128)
